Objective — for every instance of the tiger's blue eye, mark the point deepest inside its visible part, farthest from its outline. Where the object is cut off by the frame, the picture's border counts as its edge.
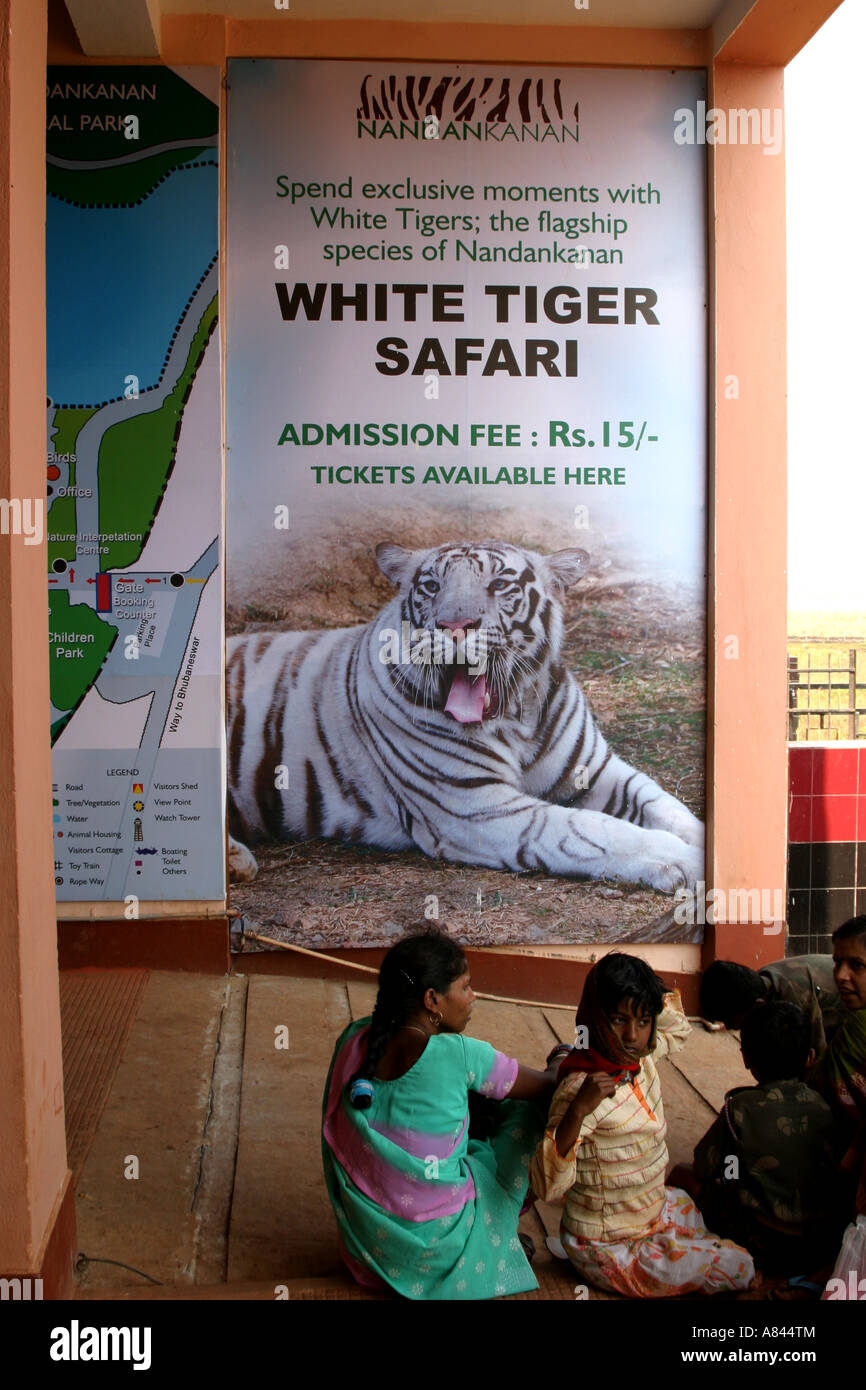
(429, 587)
(498, 585)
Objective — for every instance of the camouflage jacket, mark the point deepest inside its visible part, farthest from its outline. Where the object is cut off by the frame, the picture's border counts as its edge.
(807, 981)
(769, 1157)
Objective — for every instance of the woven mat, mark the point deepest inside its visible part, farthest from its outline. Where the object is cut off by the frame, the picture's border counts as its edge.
(97, 1011)
(552, 1284)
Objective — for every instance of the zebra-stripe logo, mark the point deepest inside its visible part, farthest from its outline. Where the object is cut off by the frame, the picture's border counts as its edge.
(461, 98)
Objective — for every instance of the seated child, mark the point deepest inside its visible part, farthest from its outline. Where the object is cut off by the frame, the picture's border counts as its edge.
(729, 990)
(765, 1169)
(840, 1076)
(604, 1148)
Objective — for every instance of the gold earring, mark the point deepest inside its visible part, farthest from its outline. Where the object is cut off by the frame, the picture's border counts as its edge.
(435, 1020)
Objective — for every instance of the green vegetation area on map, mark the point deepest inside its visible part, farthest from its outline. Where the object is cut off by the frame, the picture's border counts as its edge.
(62, 522)
(125, 183)
(58, 726)
(136, 458)
(75, 661)
(81, 127)
(68, 423)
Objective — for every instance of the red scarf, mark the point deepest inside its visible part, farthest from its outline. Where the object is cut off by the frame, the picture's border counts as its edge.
(605, 1052)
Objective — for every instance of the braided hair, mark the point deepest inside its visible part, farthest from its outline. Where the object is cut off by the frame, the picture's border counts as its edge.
(430, 960)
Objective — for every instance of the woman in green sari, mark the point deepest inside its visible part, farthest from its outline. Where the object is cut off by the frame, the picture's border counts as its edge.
(422, 1205)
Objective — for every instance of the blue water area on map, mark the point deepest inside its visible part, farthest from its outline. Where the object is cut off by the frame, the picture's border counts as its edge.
(117, 282)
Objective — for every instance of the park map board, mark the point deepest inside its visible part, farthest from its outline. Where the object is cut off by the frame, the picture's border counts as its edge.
(134, 484)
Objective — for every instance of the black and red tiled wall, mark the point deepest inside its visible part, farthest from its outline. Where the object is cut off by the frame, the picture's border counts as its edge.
(826, 841)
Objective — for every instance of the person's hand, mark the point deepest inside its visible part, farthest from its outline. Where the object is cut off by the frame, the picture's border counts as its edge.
(557, 1053)
(596, 1088)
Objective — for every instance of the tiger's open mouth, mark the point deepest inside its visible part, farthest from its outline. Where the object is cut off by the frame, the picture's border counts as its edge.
(471, 699)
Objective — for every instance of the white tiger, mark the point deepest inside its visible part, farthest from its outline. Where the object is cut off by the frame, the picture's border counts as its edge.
(342, 735)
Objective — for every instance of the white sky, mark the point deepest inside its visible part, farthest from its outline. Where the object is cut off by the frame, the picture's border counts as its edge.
(826, 191)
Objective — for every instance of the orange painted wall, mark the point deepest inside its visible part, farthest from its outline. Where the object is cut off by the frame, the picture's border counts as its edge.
(748, 522)
(185, 36)
(33, 1170)
(772, 32)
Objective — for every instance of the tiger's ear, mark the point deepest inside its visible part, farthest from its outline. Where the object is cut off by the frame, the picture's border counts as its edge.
(567, 566)
(394, 562)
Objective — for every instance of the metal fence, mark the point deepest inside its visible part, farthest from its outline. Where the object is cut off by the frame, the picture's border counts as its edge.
(826, 691)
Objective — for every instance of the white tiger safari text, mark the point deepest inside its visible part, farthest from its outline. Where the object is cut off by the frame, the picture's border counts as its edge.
(506, 768)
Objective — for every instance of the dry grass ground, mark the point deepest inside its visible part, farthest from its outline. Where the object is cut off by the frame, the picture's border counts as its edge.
(635, 641)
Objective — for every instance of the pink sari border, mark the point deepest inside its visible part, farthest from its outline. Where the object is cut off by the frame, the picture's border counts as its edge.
(421, 1145)
(350, 1139)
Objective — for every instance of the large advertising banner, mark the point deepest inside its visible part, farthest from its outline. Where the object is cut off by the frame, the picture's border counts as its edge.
(134, 485)
(466, 501)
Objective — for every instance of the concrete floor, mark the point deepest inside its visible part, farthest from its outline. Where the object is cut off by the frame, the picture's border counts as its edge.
(205, 1173)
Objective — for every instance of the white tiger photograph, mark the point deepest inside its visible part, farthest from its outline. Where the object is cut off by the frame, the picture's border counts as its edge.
(476, 729)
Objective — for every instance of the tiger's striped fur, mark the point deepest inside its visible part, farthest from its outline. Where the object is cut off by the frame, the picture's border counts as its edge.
(327, 738)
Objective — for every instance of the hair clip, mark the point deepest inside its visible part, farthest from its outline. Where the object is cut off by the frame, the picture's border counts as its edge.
(361, 1093)
(407, 977)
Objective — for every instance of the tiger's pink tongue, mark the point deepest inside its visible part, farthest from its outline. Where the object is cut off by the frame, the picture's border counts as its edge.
(465, 701)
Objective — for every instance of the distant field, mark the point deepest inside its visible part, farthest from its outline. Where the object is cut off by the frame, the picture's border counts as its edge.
(830, 626)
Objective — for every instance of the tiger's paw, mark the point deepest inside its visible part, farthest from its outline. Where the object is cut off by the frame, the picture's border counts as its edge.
(672, 864)
(677, 820)
(693, 834)
(242, 865)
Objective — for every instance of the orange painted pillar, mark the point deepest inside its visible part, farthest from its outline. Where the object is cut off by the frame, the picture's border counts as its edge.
(37, 1221)
(748, 523)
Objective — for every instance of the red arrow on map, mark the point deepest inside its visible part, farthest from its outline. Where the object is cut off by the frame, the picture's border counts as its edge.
(153, 581)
